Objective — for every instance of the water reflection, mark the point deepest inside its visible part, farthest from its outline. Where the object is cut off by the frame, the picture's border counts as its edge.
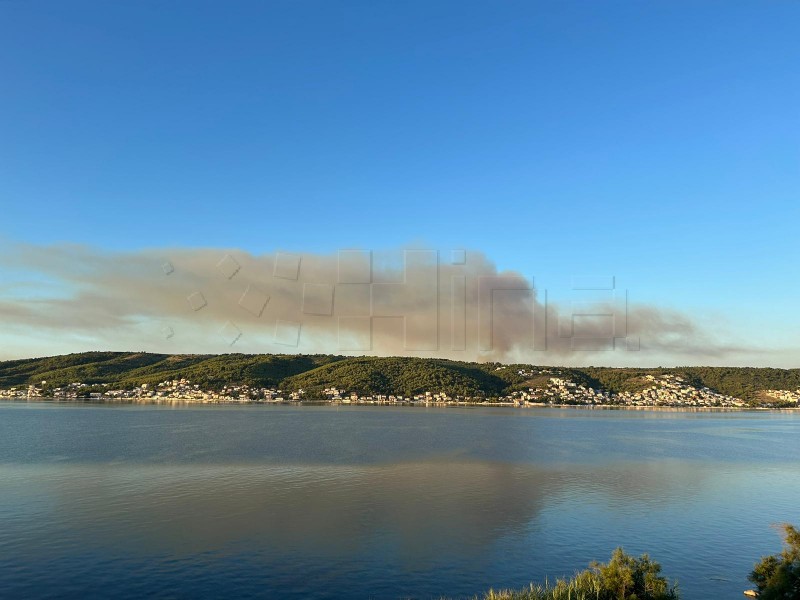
(420, 509)
(304, 504)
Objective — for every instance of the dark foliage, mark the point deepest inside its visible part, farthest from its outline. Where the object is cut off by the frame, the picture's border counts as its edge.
(400, 375)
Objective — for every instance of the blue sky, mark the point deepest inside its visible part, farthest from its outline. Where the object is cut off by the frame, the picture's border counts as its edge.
(658, 142)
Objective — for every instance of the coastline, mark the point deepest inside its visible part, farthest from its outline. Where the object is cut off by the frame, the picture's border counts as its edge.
(338, 403)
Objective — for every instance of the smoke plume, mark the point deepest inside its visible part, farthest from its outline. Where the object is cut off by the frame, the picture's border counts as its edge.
(408, 302)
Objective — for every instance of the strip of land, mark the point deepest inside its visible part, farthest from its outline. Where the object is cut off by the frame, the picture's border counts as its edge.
(146, 377)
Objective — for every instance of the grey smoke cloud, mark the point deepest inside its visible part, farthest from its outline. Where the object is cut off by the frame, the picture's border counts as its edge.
(408, 302)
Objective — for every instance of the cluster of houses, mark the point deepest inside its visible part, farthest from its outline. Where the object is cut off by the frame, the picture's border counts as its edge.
(333, 394)
(671, 390)
(26, 391)
(181, 390)
(784, 395)
(658, 390)
(663, 390)
(528, 372)
(560, 391)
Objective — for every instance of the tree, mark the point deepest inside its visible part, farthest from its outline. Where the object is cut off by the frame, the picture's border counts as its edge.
(625, 577)
(777, 577)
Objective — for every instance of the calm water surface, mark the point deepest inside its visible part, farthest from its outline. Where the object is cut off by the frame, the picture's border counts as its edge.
(104, 501)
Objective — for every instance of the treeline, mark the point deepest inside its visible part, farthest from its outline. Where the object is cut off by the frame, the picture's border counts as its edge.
(400, 375)
(128, 369)
(407, 376)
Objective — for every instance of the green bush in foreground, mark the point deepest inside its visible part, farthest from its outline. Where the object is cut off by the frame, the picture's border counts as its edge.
(778, 576)
(624, 577)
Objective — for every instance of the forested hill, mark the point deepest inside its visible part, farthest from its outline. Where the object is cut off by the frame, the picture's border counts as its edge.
(366, 374)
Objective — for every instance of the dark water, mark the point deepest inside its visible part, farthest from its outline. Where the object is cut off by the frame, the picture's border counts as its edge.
(325, 502)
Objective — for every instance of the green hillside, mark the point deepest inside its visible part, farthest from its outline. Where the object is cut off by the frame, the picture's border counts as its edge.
(401, 375)
(128, 369)
(406, 376)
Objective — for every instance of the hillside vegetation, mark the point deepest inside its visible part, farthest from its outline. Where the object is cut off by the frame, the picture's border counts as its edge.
(128, 369)
(403, 375)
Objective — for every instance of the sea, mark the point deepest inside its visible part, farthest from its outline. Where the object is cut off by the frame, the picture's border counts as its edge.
(283, 501)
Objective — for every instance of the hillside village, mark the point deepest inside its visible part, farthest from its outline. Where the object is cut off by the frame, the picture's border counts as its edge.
(656, 390)
(664, 390)
(784, 395)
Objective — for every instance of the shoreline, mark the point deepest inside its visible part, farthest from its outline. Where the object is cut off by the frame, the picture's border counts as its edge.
(530, 405)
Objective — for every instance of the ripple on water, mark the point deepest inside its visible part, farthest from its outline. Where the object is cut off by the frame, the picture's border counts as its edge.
(311, 503)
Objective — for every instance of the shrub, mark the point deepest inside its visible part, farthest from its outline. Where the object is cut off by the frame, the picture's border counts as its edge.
(778, 576)
(624, 577)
